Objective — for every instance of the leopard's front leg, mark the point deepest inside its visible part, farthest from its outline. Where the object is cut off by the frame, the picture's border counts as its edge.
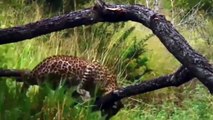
(85, 95)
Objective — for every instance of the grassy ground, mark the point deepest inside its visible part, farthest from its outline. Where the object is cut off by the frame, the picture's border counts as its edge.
(190, 101)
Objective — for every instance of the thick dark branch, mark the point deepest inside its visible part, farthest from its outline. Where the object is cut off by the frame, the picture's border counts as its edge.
(169, 36)
(99, 13)
(178, 46)
(73, 19)
(181, 76)
(11, 73)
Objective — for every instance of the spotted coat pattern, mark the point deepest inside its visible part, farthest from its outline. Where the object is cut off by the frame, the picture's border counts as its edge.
(76, 72)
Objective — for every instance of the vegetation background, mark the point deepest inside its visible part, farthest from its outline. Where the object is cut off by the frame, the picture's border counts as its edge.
(129, 49)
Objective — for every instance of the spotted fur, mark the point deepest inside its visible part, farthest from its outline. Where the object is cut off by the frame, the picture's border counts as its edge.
(77, 72)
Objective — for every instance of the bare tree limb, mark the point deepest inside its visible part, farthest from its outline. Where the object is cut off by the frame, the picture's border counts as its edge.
(31, 30)
(181, 76)
(168, 35)
(178, 46)
(101, 12)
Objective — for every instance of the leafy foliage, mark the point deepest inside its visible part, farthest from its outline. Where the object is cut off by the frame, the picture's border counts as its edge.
(134, 60)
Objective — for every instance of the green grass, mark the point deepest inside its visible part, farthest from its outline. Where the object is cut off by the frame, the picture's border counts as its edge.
(185, 104)
(109, 45)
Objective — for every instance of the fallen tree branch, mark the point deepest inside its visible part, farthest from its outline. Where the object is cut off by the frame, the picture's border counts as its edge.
(178, 46)
(195, 65)
(181, 76)
(31, 30)
(168, 35)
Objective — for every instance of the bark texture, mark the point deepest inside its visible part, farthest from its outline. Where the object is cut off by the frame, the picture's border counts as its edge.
(31, 30)
(181, 76)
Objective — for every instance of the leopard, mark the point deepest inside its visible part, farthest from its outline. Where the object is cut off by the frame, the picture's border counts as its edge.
(88, 77)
